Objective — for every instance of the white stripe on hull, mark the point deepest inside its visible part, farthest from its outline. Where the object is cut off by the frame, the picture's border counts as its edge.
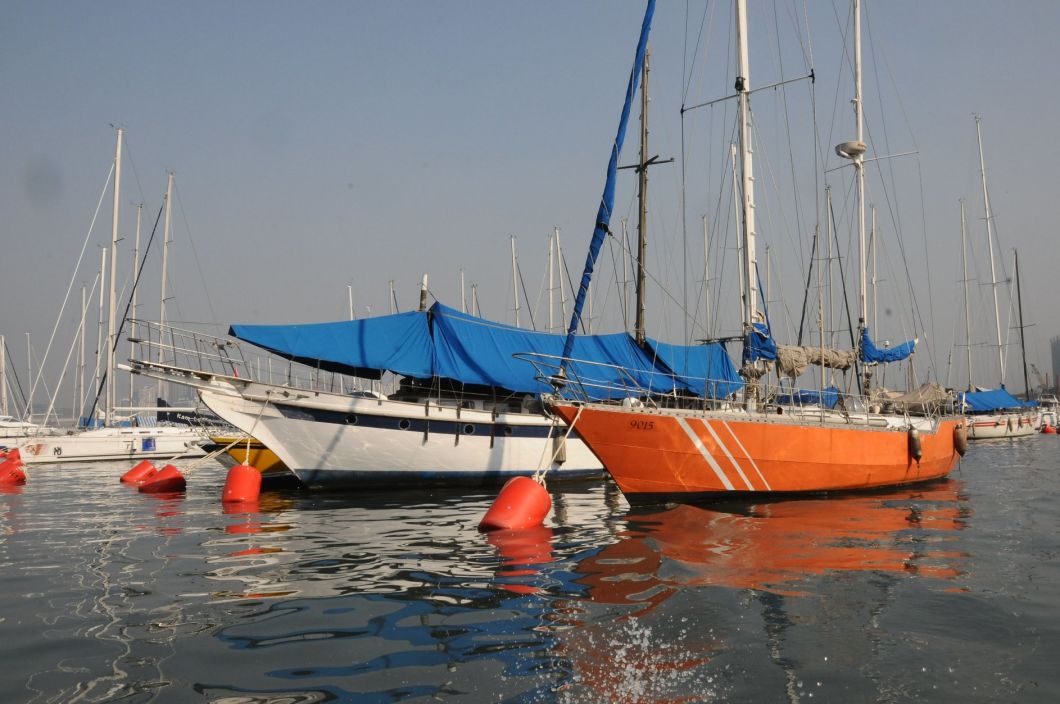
(1002, 425)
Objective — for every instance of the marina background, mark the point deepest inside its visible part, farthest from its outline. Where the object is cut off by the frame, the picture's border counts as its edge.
(332, 145)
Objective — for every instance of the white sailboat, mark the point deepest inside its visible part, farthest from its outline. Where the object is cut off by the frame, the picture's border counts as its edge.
(133, 438)
(992, 413)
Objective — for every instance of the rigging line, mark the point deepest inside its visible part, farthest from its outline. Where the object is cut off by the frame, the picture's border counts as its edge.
(695, 51)
(121, 325)
(66, 363)
(127, 149)
(195, 254)
(522, 285)
(18, 382)
(70, 286)
(846, 306)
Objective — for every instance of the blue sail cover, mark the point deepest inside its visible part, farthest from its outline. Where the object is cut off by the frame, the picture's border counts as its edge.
(607, 200)
(871, 354)
(759, 344)
(705, 370)
(398, 343)
(990, 400)
(478, 351)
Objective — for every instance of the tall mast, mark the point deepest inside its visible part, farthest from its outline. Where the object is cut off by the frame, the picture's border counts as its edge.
(136, 279)
(165, 270)
(551, 278)
(515, 283)
(990, 246)
(79, 395)
(743, 87)
(642, 207)
(3, 373)
(112, 296)
(706, 277)
(1019, 308)
(561, 269)
(967, 309)
(99, 331)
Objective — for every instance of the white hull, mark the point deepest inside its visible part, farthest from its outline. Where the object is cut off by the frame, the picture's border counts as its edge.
(132, 444)
(333, 440)
(1002, 425)
(341, 441)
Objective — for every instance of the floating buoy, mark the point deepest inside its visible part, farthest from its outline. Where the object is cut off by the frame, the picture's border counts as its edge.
(521, 503)
(243, 483)
(1048, 429)
(168, 478)
(960, 438)
(11, 470)
(139, 474)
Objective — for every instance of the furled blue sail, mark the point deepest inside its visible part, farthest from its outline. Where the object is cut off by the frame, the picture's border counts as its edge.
(607, 200)
(759, 344)
(871, 354)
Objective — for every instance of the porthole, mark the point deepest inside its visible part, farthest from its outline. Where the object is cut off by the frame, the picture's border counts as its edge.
(469, 429)
(508, 431)
(405, 424)
(351, 419)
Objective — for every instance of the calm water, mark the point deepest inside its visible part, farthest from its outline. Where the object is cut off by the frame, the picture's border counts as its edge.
(944, 593)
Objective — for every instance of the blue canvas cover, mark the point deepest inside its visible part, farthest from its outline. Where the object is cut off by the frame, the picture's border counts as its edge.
(705, 370)
(989, 400)
(399, 343)
(478, 351)
(759, 344)
(871, 354)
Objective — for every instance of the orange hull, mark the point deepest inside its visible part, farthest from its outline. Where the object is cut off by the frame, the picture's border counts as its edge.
(656, 455)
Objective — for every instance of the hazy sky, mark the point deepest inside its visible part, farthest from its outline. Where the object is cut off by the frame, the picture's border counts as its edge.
(320, 145)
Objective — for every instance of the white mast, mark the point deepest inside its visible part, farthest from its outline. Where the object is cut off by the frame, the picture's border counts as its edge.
(3, 373)
(561, 267)
(967, 309)
(463, 298)
(135, 278)
(990, 246)
(29, 364)
(515, 283)
(551, 278)
(349, 296)
(165, 270)
(112, 296)
(99, 332)
(750, 303)
(393, 298)
(79, 395)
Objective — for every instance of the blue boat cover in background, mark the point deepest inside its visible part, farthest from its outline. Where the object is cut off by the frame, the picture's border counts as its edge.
(399, 343)
(705, 370)
(444, 342)
(759, 344)
(827, 398)
(990, 400)
(871, 354)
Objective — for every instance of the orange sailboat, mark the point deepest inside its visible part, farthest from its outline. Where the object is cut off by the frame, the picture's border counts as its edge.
(689, 448)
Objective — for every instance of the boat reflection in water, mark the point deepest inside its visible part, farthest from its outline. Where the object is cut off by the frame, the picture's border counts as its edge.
(779, 546)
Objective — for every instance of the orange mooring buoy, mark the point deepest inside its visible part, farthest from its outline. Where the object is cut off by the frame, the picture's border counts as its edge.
(11, 469)
(243, 483)
(521, 503)
(139, 474)
(168, 478)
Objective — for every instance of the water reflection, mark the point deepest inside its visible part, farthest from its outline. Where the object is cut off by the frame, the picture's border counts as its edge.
(778, 547)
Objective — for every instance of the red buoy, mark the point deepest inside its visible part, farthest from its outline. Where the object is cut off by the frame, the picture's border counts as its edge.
(521, 503)
(139, 474)
(11, 470)
(168, 478)
(1048, 429)
(243, 483)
